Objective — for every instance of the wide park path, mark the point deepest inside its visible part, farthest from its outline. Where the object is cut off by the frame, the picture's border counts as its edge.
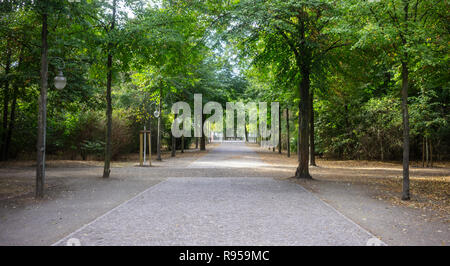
(228, 207)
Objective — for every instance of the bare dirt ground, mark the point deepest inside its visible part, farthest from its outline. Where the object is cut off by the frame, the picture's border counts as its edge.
(430, 187)
(369, 193)
(17, 177)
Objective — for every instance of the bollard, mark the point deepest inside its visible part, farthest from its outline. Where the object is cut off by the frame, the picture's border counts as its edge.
(143, 135)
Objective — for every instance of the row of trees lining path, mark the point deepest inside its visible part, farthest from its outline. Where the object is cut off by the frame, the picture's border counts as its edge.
(339, 63)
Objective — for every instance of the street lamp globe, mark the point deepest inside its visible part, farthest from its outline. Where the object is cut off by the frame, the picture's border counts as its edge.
(156, 113)
(60, 81)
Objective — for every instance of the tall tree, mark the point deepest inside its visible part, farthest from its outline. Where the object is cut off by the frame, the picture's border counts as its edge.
(107, 166)
(399, 28)
(6, 93)
(301, 27)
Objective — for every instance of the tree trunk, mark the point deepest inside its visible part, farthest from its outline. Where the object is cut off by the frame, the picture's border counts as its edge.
(279, 128)
(107, 167)
(423, 151)
(174, 144)
(5, 102)
(182, 144)
(196, 143)
(258, 134)
(158, 140)
(246, 133)
(288, 134)
(312, 150)
(303, 167)
(42, 115)
(298, 135)
(202, 139)
(431, 155)
(12, 119)
(427, 158)
(380, 139)
(203, 143)
(405, 115)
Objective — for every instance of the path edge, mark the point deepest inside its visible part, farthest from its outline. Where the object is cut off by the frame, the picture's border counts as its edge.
(341, 214)
(57, 243)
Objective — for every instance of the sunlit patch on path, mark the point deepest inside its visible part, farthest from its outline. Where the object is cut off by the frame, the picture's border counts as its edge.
(229, 155)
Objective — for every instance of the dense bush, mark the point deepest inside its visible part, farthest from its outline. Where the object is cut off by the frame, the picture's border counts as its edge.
(122, 136)
(379, 133)
(375, 129)
(70, 135)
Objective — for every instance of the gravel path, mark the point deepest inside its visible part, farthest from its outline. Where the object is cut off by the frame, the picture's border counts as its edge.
(227, 210)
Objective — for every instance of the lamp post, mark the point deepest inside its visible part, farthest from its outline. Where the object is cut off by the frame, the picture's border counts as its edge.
(60, 82)
(42, 114)
(156, 115)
